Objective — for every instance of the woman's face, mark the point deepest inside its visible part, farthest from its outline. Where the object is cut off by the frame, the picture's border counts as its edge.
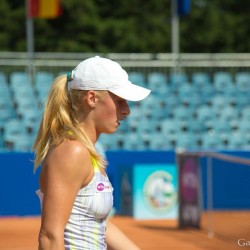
(109, 111)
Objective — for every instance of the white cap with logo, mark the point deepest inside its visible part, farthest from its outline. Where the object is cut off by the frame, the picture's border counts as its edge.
(97, 73)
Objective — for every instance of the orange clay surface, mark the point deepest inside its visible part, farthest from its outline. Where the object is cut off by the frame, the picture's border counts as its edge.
(20, 233)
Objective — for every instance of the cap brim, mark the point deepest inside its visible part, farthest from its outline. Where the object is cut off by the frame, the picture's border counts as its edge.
(132, 92)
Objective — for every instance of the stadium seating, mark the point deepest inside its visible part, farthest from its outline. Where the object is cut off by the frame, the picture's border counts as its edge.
(211, 141)
(198, 110)
(243, 81)
(222, 80)
(200, 79)
(43, 81)
(137, 78)
(239, 141)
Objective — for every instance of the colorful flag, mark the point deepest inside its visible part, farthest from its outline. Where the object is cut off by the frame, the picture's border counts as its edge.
(44, 8)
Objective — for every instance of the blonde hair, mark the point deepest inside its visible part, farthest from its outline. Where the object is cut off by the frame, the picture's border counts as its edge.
(59, 122)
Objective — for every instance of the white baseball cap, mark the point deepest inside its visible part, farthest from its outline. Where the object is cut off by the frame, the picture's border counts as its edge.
(97, 73)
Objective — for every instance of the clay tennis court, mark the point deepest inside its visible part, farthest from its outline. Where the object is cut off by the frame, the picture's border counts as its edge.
(20, 233)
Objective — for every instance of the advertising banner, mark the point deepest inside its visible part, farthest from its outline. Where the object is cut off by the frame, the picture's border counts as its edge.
(155, 191)
(189, 190)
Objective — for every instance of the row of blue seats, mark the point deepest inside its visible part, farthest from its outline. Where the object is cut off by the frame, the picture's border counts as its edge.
(202, 88)
(221, 79)
(204, 119)
(147, 141)
(155, 80)
(148, 134)
(226, 111)
(186, 141)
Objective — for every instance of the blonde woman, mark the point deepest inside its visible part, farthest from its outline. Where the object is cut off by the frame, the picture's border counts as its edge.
(75, 192)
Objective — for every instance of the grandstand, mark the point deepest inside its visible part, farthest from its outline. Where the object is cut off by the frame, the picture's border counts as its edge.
(202, 104)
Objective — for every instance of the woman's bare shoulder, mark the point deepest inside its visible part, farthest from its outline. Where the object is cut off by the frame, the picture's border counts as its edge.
(69, 159)
(70, 150)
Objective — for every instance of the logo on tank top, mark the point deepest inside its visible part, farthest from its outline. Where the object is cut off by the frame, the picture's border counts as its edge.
(103, 187)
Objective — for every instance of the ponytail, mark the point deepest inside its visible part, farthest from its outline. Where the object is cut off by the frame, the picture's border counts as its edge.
(59, 122)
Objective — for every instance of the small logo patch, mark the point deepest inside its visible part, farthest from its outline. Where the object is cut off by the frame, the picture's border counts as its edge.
(103, 187)
(100, 187)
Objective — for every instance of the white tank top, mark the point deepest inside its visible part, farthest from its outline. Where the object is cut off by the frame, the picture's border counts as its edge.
(86, 226)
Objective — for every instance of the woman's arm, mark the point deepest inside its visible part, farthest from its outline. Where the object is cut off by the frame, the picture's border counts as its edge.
(117, 240)
(64, 172)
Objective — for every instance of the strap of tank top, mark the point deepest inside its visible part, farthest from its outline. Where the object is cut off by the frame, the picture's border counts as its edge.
(94, 163)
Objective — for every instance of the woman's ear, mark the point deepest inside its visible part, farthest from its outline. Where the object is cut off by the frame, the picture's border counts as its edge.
(91, 98)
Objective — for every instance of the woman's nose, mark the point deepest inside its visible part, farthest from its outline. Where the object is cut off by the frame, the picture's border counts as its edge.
(126, 109)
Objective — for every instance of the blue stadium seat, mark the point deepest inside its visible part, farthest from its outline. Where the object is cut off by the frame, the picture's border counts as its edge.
(108, 141)
(219, 102)
(23, 143)
(133, 141)
(185, 90)
(243, 101)
(238, 141)
(162, 93)
(3, 78)
(206, 93)
(19, 79)
(211, 141)
(42, 77)
(42, 90)
(24, 105)
(244, 126)
(159, 142)
(171, 102)
(204, 113)
(220, 126)
(182, 113)
(245, 113)
(137, 78)
(187, 141)
(12, 129)
(178, 78)
(157, 78)
(188, 95)
(124, 126)
(31, 116)
(43, 82)
(5, 100)
(7, 113)
(200, 79)
(14, 126)
(222, 80)
(230, 91)
(135, 113)
(157, 81)
(243, 81)
(168, 127)
(150, 102)
(228, 113)
(160, 111)
(26, 91)
(147, 125)
(196, 127)
(4, 86)
(42, 100)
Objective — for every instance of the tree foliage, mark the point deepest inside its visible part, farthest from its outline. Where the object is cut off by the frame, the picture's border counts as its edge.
(134, 26)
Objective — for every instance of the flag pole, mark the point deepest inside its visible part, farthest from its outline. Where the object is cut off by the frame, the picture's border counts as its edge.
(175, 34)
(29, 32)
(175, 27)
(29, 41)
